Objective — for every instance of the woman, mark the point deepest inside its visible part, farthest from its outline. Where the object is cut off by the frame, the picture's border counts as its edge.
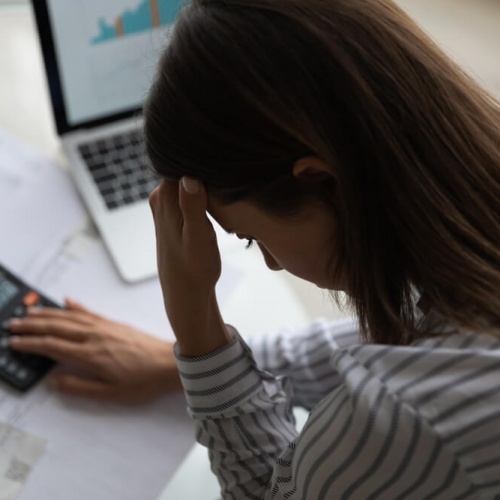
(335, 135)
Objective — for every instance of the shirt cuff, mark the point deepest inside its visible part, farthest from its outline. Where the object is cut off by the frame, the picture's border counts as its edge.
(216, 382)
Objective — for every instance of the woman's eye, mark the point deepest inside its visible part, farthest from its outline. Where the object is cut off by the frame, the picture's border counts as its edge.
(249, 243)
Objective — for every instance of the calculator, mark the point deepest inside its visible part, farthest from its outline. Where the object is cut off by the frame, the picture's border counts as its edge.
(19, 370)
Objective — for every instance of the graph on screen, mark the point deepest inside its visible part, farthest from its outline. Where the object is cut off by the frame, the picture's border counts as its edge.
(148, 15)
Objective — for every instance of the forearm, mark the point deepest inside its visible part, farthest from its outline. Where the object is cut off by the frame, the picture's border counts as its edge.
(202, 331)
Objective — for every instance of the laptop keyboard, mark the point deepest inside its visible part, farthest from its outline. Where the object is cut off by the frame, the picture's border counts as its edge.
(119, 168)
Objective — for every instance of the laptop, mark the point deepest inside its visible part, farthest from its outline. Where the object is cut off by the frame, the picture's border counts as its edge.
(99, 60)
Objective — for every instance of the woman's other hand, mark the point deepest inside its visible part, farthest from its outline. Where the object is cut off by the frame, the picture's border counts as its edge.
(110, 361)
(189, 266)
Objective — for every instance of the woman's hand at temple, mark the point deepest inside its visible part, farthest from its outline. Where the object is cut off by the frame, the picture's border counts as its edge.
(189, 266)
(109, 361)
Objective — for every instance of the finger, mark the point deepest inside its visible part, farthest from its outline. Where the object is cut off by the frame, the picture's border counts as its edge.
(60, 350)
(64, 328)
(167, 216)
(193, 202)
(84, 318)
(164, 198)
(74, 306)
(78, 386)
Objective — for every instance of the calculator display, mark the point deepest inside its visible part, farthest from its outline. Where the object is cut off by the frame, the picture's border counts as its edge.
(7, 291)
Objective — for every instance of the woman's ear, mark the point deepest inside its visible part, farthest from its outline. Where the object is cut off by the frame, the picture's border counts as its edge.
(317, 178)
(313, 168)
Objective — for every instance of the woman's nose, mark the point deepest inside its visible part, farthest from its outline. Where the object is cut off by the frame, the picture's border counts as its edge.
(269, 259)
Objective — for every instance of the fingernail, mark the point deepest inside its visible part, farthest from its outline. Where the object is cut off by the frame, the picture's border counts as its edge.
(14, 339)
(33, 310)
(191, 186)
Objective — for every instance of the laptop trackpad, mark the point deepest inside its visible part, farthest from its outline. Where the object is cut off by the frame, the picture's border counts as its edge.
(129, 235)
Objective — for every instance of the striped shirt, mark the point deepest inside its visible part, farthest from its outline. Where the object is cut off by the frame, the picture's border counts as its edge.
(414, 422)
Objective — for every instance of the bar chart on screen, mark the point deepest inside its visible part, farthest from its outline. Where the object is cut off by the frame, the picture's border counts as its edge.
(147, 15)
(108, 51)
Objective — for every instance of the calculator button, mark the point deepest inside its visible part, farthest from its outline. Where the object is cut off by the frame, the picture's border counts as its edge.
(19, 311)
(4, 360)
(11, 367)
(31, 299)
(22, 374)
(4, 342)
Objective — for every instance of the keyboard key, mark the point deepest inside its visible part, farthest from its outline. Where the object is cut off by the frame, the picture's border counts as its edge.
(107, 192)
(105, 177)
(84, 150)
(96, 166)
(120, 168)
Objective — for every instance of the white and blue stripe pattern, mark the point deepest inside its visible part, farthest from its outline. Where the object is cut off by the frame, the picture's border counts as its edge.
(387, 422)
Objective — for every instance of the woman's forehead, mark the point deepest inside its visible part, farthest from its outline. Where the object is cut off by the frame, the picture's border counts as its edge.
(233, 217)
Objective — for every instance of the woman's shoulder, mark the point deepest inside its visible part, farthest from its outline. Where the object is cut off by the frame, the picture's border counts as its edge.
(446, 354)
(448, 381)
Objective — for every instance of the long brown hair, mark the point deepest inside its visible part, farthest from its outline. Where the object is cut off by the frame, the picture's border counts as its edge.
(247, 87)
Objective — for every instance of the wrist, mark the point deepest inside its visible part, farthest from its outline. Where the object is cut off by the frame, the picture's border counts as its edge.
(205, 333)
(167, 373)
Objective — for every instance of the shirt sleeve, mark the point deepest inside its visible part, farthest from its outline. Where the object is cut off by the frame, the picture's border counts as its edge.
(244, 417)
(303, 355)
(374, 436)
(244, 413)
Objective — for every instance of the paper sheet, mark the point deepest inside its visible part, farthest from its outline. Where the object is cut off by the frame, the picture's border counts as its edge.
(94, 451)
(19, 452)
(39, 206)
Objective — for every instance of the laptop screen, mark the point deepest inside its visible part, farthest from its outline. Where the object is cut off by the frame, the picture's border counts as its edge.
(100, 56)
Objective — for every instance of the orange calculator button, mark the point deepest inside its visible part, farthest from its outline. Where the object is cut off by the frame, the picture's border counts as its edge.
(31, 299)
